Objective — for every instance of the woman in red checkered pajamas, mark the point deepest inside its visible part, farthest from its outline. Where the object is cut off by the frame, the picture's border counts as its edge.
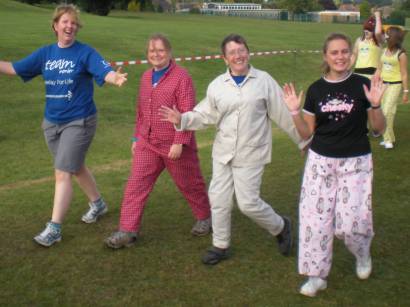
(336, 194)
(156, 146)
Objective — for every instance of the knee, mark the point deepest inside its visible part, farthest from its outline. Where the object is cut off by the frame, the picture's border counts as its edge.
(248, 207)
(61, 176)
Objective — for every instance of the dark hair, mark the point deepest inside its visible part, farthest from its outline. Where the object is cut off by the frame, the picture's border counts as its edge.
(370, 25)
(233, 38)
(161, 37)
(330, 38)
(395, 37)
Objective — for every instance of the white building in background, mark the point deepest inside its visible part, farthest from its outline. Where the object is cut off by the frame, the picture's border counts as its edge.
(231, 6)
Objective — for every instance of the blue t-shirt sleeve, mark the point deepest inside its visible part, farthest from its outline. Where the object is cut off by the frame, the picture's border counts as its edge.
(30, 67)
(97, 66)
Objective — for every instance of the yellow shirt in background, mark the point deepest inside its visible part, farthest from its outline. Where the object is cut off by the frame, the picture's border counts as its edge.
(368, 54)
(390, 67)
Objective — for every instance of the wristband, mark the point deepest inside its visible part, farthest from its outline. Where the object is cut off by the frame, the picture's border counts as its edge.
(376, 107)
(134, 139)
(405, 91)
(295, 112)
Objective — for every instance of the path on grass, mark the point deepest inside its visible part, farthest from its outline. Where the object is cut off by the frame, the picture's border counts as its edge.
(98, 169)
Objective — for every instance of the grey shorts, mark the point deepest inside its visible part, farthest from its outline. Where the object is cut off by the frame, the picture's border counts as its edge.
(69, 142)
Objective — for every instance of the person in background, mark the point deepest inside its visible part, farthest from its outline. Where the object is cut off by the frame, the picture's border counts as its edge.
(157, 146)
(68, 68)
(242, 103)
(336, 193)
(367, 48)
(393, 71)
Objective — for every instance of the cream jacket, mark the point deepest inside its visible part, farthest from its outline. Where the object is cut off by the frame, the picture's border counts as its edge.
(242, 115)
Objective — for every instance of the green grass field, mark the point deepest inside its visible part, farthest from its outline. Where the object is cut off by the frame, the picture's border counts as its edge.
(164, 267)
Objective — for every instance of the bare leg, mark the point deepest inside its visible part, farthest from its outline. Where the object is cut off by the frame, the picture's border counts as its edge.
(87, 183)
(62, 196)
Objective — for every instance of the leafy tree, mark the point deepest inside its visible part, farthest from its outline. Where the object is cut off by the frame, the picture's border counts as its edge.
(121, 4)
(133, 6)
(299, 6)
(327, 4)
(98, 7)
(398, 16)
(365, 9)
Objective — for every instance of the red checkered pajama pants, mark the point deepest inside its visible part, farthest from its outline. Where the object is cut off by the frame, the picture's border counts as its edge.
(147, 165)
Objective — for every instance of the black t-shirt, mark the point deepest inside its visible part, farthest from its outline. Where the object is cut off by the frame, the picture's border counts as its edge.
(340, 109)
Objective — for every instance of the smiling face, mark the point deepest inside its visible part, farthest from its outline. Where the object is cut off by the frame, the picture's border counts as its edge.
(337, 57)
(236, 56)
(158, 55)
(66, 28)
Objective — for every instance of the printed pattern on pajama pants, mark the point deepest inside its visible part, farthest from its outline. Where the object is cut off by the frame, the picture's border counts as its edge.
(147, 165)
(336, 199)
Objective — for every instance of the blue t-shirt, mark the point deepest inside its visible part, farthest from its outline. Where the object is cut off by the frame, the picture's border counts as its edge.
(238, 79)
(68, 76)
(157, 74)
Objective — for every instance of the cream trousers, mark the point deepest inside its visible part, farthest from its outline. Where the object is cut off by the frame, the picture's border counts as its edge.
(245, 183)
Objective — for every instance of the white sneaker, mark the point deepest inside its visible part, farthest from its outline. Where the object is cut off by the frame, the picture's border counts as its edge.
(381, 143)
(96, 210)
(364, 268)
(312, 286)
(388, 145)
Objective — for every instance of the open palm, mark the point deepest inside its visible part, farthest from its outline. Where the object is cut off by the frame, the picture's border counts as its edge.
(377, 88)
(292, 100)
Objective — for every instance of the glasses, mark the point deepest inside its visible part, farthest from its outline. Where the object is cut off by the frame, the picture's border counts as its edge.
(240, 51)
(367, 32)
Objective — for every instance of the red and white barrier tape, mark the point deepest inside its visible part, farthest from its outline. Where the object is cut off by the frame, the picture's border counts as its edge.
(213, 57)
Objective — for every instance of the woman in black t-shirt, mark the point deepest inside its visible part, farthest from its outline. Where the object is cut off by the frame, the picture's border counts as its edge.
(336, 191)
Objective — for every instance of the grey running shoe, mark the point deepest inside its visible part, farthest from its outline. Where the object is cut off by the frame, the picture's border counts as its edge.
(285, 237)
(121, 239)
(95, 211)
(202, 227)
(48, 236)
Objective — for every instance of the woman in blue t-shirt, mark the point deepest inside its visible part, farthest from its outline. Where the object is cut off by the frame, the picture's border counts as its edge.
(336, 192)
(68, 68)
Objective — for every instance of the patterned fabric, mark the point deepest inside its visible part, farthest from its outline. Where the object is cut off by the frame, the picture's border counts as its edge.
(147, 165)
(336, 199)
(175, 88)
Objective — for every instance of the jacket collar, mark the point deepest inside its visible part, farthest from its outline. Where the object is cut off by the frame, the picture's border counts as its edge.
(252, 73)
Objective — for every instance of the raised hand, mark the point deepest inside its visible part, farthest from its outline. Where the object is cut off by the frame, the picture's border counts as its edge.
(120, 77)
(292, 100)
(171, 115)
(377, 88)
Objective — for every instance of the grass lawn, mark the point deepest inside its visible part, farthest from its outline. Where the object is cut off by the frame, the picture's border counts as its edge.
(164, 267)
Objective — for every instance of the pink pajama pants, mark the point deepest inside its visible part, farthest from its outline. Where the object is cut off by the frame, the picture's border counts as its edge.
(336, 199)
(147, 165)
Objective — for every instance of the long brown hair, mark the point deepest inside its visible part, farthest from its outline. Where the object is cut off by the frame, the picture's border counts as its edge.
(395, 37)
